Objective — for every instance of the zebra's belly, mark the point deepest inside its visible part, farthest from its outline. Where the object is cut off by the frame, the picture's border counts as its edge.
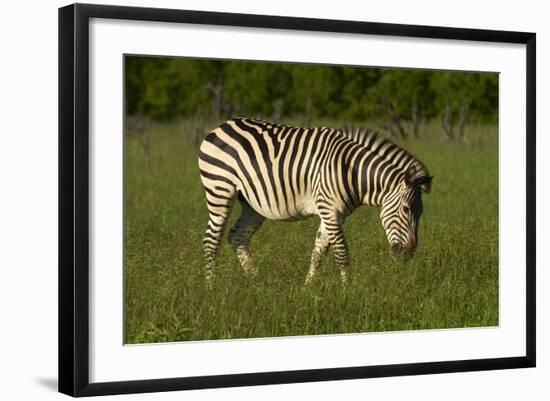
(297, 210)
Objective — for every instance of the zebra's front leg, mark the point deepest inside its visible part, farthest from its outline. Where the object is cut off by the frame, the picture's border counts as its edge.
(239, 236)
(339, 247)
(319, 252)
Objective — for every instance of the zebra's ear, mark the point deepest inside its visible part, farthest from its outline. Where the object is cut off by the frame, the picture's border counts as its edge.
(410, 176)
(425, 183)
(414, 180)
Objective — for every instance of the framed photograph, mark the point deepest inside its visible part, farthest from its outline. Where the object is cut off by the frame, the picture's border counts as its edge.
(251, 199)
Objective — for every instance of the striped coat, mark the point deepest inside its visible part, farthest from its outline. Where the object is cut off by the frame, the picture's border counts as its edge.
(286, 173)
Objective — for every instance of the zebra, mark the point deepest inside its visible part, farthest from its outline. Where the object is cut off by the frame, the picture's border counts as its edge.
(281, 172)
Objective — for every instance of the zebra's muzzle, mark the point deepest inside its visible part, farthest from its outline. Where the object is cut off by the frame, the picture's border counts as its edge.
(402, 253)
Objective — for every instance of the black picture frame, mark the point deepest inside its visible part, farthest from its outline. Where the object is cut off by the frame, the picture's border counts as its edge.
(74, 198)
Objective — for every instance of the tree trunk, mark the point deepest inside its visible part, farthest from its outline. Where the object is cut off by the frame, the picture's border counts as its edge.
(423, 119)
(216, 89)
(462, 122)
(146, 147)
(447, 123)
(278, 107)
(415, 116)
(197, 128)
(393, 118)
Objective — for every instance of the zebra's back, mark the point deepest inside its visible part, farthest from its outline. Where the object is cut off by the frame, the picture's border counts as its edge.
(273, 166)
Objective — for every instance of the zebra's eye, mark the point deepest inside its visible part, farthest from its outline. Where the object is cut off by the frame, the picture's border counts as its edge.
(406, 209)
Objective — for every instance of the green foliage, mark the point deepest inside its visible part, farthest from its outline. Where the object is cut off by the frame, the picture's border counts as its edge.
(166, 88)
(255, 86)
(452, 281)
(477, 91)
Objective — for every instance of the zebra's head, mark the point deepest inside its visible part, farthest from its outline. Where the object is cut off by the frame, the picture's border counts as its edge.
(401, 211)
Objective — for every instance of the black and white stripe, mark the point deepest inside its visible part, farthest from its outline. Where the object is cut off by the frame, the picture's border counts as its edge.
(284, 173)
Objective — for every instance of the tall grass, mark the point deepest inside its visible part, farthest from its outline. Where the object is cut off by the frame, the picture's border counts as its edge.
(452, 281)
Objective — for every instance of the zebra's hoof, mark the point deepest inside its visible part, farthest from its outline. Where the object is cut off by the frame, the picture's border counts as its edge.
(250, 272)
(344, 280)
(209, 282)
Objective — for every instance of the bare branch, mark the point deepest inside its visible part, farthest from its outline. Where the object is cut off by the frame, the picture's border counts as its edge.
(464, 108)
(447, 123)
(393, 118)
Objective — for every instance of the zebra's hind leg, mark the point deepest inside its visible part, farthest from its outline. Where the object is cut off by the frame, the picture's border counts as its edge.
(219, 203)
(319, 251)
(239, 236)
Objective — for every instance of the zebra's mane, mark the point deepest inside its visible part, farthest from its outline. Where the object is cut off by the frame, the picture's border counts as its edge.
(369, 137)
(360, 135)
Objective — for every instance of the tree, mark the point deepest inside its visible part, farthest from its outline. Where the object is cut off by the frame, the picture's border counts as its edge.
(314, 90)
(461, 95)
(355, 91)
(402, 95)
(257, 88)
(165, 88)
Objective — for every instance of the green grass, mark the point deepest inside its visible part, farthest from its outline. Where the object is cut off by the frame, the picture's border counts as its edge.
(452, 281)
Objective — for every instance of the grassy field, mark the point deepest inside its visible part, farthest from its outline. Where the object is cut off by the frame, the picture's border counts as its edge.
(452, 281)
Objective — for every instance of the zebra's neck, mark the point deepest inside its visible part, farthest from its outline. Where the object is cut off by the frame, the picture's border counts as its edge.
(379, 166)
